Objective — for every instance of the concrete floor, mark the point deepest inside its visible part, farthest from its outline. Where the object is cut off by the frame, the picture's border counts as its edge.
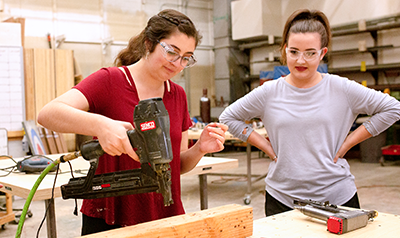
(378, 189)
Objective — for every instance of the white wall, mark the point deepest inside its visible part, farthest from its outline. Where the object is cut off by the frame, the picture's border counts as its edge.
(344, 11)
(85, 23)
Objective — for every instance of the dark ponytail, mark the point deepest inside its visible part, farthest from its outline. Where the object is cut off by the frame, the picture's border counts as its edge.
(303, 21)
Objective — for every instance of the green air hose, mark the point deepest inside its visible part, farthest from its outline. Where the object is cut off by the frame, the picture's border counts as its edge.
(36, 185)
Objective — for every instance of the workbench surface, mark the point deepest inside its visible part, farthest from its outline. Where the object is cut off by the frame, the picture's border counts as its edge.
(295, 224)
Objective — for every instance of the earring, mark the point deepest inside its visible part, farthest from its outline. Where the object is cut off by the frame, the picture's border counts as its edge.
(147, 55)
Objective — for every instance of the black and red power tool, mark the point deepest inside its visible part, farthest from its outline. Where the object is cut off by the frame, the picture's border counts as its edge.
(152, 139)
(34, 164)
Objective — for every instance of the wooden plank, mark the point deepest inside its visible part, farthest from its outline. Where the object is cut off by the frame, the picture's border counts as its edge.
(4, 217)
(64, 81)
(64, 71)
(211, 164)
(30, 108)
(42, 134)
(60, 143)
(44, 78)
(9, 214)
(70, 141)
(225, 221)
(64, 145)
(50, 141)
(13, 134)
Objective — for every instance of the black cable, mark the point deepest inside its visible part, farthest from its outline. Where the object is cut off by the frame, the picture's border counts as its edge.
(9, 158)
(76, 202)
(50, 203)
(10, 167)
(13, 168)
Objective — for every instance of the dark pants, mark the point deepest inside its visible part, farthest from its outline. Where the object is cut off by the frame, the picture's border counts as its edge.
(273, 206)
(92, 225)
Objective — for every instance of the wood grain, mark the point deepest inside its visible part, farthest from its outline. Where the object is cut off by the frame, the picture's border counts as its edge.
(44, 78)
(224, 222)
(64, 71)
(30, 108)
(294, 222)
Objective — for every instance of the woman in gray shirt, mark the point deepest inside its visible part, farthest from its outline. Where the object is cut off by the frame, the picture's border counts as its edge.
(308, 116)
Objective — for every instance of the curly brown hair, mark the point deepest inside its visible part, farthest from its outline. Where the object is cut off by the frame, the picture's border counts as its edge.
(158, 27)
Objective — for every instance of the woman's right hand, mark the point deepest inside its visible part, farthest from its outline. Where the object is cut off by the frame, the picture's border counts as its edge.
(113, 138)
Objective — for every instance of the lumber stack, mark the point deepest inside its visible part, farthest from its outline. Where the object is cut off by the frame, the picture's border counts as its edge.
(48, 74)
(225, 222)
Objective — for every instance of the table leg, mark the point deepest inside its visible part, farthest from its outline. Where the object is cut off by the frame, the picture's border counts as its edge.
(247, 197)
(203, 191)
(51, 218)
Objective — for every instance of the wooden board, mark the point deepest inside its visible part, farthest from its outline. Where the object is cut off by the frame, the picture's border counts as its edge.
(30, 109)
(50, 141)
(225, 221)
(4, 217)
(44, 78)
(212, 164)
(64, 81)
(64, 71)
(43, 139)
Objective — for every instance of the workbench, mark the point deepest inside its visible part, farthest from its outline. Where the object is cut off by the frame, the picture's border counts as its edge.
(212, 223)
(295, 224)
(195, 135)
(20, 184)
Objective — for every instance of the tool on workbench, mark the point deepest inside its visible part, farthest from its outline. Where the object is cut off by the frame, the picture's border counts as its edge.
(339, 220)
(152, 139)
(34, 164)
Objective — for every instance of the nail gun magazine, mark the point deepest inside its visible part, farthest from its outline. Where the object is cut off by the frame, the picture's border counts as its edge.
(339, 220)
(151, 137)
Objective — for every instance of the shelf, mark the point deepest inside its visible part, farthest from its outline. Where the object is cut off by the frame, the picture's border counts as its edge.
(255, 44)
(369, 68)
(356, 50)
(15, 134)
(372, 25)
(392, 87)
(368, 30)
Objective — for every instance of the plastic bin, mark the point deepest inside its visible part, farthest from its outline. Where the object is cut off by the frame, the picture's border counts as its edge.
(391, 152)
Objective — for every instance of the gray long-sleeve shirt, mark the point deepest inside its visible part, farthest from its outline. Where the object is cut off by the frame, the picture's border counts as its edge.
(306, 128)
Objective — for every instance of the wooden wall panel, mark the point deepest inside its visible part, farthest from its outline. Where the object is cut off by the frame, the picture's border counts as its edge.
(44, 78)
(48, 74)
(64, 71)
(30, 108)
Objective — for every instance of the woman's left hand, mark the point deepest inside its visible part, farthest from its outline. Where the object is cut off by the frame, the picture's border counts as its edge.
(212, 138)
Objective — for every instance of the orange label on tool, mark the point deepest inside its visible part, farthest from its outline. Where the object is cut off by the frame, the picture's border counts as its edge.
(149, 125)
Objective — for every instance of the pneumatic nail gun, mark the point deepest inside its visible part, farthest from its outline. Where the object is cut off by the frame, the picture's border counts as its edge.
(339, 220)
(152, 139)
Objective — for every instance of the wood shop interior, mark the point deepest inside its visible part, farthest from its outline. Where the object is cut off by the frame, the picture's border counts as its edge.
(49, 46)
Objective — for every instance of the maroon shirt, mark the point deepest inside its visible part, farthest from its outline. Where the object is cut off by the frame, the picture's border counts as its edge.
(110, 94)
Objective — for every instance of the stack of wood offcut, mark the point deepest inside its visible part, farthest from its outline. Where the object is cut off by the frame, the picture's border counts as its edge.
(53, 142)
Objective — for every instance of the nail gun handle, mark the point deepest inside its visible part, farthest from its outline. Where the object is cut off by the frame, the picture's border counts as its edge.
(91, 150)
